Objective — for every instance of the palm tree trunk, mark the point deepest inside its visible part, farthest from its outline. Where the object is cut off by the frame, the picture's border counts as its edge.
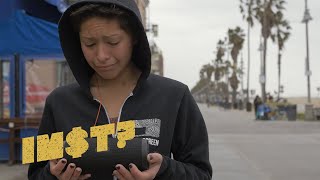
(234, 90)
(248, 74)
(265, 39)
(264, 82)
(234, 98)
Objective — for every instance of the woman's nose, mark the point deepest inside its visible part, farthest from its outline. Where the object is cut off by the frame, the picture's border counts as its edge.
(103, 53)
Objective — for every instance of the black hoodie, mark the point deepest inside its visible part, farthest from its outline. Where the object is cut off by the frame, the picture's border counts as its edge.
(163, 108)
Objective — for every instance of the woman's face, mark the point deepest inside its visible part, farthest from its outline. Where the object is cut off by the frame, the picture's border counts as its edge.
(106, 47)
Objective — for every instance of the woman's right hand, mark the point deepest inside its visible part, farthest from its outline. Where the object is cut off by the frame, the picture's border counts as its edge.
(71, 173)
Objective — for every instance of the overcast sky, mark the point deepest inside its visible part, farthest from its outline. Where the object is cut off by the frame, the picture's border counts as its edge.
(190, 29)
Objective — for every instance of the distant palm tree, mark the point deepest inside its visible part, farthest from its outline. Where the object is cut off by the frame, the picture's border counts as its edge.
(208, 69)
(281, 35)
(220, 50)
(205, 79)
(219, 61)
(202, 73)
(246, 9)
(236, 39)
(221, 66)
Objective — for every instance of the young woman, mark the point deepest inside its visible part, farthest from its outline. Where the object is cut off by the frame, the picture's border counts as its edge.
(108, 52)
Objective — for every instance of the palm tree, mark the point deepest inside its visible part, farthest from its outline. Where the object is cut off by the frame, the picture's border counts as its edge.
(202, 73)
(236, 39)
(264, 13)
(246, 9)
(281, 35)
(208, 70)
(220, 50)
(221, 66)
(219, 62)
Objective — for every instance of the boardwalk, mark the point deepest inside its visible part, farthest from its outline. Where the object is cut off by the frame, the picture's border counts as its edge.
(244, 149)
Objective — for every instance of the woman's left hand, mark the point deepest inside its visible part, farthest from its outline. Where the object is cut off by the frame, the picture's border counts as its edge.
(155, 161)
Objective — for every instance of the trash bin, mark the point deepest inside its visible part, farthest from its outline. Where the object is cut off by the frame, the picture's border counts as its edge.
(281, 112)
(227, 105)
(291, 112)
(316, 112)
(241, 105)
(249, 107)
(308, 115)
(235, 105)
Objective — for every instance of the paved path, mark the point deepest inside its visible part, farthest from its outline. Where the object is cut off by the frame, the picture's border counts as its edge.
(244, 149)
(15, 172)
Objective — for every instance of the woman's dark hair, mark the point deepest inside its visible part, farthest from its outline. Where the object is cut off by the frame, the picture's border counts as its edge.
(127, 20)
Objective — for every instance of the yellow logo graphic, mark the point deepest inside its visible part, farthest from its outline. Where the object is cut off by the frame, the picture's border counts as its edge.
(52, 148)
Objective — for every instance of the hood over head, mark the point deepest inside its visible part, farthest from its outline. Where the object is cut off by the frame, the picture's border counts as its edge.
(70, 43)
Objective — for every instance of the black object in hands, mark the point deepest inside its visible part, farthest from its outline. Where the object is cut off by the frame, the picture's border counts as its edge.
(102, 164)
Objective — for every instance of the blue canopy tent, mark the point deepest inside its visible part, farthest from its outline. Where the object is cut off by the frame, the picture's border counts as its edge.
(24, 36)
(25, 33)
(29, 36)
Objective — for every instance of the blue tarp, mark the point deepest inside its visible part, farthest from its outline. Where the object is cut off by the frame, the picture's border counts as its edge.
(29, 36)
(42, 9)
(6, 8)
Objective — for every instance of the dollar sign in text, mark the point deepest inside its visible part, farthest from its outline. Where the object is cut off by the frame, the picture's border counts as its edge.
(78, 144)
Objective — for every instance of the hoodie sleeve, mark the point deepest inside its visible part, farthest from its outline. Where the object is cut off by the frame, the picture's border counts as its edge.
(41, 170)
(190, 146)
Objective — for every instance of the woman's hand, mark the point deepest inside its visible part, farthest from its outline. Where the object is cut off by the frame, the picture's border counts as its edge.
(155, 161)
(71, 173)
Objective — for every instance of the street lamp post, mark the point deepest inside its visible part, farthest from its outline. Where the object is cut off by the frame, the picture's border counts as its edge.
(306, 18)
(281, 90)
(241, 73)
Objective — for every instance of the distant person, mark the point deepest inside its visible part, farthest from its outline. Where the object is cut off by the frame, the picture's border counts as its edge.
(208, 102)
(226, 103)
(257, 102)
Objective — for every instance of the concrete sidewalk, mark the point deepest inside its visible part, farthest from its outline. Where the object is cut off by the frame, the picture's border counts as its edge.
(15, 172)
(244, 149)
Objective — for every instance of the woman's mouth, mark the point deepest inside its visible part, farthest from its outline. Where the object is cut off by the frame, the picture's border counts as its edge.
(106, 67)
